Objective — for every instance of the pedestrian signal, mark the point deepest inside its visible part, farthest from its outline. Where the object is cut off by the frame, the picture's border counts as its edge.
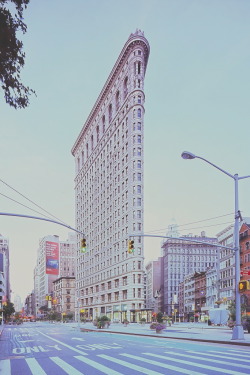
(130, 246)
(243, 285)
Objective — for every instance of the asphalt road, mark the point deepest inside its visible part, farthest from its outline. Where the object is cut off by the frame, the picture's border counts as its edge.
(59, 349)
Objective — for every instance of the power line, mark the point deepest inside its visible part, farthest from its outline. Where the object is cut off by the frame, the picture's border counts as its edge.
(29, 201)
(24, 205)
(195, 222)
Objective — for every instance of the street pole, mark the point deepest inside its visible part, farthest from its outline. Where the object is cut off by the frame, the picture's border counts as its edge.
(238, 333)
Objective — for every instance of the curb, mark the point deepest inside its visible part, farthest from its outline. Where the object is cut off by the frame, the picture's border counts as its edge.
(168, 337)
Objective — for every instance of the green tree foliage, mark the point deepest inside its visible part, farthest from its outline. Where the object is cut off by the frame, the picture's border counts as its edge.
(8, 310)
(12, 56)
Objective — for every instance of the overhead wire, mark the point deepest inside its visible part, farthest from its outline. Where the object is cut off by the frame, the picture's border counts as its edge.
(195, 222)
(51, 215)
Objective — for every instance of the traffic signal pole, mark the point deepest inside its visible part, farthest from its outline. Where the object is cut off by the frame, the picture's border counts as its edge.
(41, 218)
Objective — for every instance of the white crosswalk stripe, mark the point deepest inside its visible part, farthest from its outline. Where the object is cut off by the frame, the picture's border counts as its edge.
(145, 363)
(164, 365)
(235, 353)
(98, 366)
(214, 360)
(130, 365)
(202, 366)
(5, 367)
(70, 370)
(34, 366)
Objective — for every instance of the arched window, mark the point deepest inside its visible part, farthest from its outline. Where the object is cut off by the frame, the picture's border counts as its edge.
(97, 133)
(139, 112)
(103, 124)
(125, 87)
(87, 150)
(92, 142)
(110, 112)
(117, 100)
(82, 157)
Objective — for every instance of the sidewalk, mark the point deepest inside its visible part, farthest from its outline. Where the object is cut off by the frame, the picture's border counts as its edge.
(181, 331)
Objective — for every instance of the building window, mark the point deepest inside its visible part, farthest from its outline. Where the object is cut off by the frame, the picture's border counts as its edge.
(125, 87)
(139, 112)
(110, 112)
(117, 100)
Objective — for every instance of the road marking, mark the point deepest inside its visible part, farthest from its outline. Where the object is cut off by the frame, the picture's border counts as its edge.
(246, 355)
(70, 370)
(130, 365)
(164, 365)
(225, 357)
(214, 360)
(62, 343)
(26, 340)
(98, 366)
(225, 371)
(78, 338)
(5, 367)
(34, 366)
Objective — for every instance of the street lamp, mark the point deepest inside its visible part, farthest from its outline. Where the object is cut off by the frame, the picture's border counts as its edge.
(238, 333)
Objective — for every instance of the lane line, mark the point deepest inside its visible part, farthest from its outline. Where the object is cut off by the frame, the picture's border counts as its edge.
(164, 365)
(98, 366)
(62, 343)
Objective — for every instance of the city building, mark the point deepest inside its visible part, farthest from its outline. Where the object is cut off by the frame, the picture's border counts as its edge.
(47, 269)
(67, 256)
(64, 296)
(199, 292)
(109, 190)
(154, 285)
(226, 285)
(29, 305)
(182, 257)
(55, 259)
(18, 303)
(5, 292)
(188, 287)
(212, 288)
(245, 261)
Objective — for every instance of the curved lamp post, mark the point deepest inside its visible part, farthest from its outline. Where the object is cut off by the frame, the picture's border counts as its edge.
(238, 333)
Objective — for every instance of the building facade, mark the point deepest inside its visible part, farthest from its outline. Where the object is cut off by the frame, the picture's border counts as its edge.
(245, 261)
(5, 292)
(55, 259)
(183, 257)
(226, 285)
(64, 295)
(154, 285)
(109, 160)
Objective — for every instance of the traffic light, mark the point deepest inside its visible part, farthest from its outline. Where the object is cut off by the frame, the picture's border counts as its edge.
(244, 285)
(130, 246)
(83, 245)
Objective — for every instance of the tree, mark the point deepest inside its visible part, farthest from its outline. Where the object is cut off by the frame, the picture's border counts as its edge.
(11, 53)
(8, 310)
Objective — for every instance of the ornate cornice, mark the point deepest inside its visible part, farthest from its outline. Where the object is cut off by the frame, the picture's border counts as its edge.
(134, 39)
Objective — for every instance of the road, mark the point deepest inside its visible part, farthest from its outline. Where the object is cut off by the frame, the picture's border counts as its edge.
(59, 349)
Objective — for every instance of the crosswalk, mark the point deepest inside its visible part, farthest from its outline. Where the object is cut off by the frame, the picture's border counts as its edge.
(230, 362)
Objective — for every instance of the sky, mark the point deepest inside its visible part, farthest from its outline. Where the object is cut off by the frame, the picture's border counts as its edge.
(197, 99)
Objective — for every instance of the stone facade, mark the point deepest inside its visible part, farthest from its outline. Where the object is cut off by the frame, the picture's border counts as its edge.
(109, 160)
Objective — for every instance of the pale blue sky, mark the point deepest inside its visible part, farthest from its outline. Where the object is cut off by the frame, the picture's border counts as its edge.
(197, 99)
